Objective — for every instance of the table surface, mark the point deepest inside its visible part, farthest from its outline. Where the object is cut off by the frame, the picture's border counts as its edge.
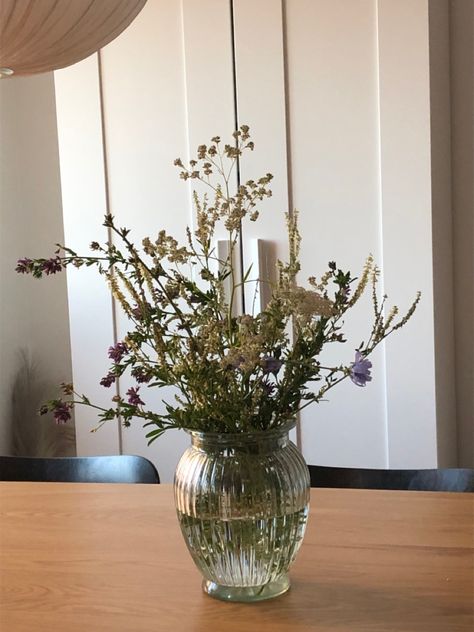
(100, 558)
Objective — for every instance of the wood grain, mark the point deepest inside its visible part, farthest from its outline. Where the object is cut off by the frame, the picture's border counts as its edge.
(47, 35)
(77, 557)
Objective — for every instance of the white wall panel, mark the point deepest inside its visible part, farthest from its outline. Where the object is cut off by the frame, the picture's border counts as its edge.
(145, 129)
(261, 104)
(260, 82)
(207, 42)
(84, 205)
(333, 136)
(33, 314)
(176, 94)
(405, 168)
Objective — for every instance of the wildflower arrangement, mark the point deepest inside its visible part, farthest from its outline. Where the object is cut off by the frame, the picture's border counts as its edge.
(232, 373)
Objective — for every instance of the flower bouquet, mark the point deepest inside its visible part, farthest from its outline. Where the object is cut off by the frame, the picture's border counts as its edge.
(240, 380)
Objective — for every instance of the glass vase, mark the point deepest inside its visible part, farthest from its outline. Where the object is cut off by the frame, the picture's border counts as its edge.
(242, 502)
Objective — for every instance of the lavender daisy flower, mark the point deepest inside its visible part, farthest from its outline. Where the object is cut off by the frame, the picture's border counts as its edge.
(360, 370)
(133, 397)
(116, 352)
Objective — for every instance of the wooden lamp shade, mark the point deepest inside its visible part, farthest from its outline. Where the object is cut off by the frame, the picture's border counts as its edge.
(43, 35)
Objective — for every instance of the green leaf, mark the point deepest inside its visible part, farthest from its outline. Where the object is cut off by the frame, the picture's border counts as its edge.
(247, 274)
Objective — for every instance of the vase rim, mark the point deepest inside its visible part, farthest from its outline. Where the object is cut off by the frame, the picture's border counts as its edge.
(239, 436)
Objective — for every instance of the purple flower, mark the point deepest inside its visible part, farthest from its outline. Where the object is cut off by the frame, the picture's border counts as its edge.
(24, 266)
(140, 312)
(271, 364)
(62, 412)
(108, 380)
(141, 375)
(268, 389)
(360, 370)
(133, 397)
(137, 313)
(51, 266)
(117, 352)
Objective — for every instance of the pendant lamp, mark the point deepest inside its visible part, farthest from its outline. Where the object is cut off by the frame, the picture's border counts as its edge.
(43, 35)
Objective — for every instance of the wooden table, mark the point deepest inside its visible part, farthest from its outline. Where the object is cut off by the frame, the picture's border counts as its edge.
(110, 558)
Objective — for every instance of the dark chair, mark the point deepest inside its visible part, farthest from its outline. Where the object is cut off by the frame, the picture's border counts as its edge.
(442, 480)
(87, 469)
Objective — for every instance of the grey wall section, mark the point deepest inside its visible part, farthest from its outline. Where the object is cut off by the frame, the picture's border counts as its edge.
(33, 314)
(462, 142)
(442, 232)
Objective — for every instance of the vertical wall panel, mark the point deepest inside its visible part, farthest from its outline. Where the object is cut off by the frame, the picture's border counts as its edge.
(442, 230)
(461, 24)
(177, 94)
(209, 95)
(207, 42)
(33, 314)
(260, 82)
(333, 135)
(403, 38)
(84, 205)
(145, 130)
(208, 80)
(261, 104)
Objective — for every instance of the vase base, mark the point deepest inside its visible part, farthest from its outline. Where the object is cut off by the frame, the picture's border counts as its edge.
(247, 593)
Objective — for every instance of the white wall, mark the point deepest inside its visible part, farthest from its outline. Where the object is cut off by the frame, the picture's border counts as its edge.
(160, 88)
(365, 176)
(33, 314)
(339, 97)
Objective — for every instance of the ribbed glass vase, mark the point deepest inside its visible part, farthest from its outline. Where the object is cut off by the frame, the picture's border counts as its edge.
(242, 503)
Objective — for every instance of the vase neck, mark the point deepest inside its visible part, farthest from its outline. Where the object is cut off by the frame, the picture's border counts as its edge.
(249, 442)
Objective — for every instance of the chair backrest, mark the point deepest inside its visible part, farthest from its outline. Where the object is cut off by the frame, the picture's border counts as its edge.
(87, 469)
(442, 480)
